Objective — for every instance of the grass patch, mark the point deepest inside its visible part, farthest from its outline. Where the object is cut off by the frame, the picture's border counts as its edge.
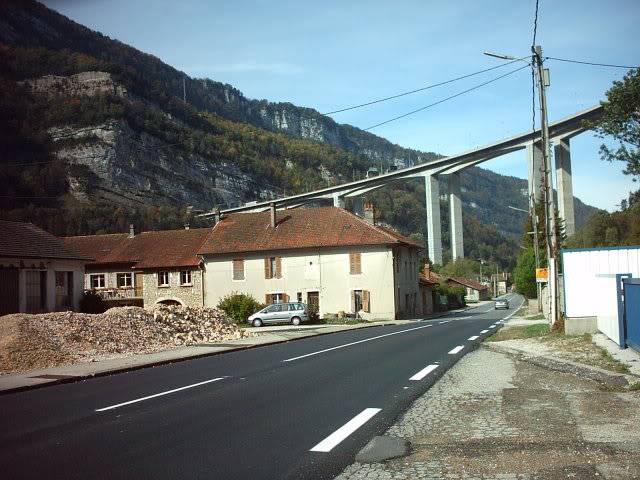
(520, 331)
(634, 387)
(538, 316)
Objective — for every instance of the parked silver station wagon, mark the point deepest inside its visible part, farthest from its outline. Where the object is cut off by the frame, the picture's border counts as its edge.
(290, 312)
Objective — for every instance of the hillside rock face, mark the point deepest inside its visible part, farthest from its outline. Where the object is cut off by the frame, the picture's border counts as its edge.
(84, 83)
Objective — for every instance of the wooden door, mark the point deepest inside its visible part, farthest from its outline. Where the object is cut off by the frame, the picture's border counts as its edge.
(138, 283)
(9, 296)
(313, 301)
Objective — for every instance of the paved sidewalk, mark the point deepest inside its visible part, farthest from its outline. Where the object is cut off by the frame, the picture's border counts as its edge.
(494, 416)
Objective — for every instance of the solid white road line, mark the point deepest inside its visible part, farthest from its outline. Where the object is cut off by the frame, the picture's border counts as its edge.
(347, 429)
(354, 343)
(424, 372)
(475, 337)
(456, 350)
(484, 331)
(159, 394)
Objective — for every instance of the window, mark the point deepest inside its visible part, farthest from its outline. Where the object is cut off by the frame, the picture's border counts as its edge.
(360, 301)
(185, 277)
(355, 263)
(124, 280)
(299, 297)
(97, 281)
(163, 278)
(238, 269)
(276, 298)
(357, 300)
(272, 267)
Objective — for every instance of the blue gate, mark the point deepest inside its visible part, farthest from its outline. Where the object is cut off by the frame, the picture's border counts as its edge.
(631, 288)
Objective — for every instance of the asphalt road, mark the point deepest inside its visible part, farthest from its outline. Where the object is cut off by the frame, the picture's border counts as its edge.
(301, 409)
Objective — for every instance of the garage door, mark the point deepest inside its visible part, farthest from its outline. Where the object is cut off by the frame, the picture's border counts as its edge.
(9, 292)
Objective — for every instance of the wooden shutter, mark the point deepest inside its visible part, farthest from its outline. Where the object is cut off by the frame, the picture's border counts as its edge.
(238, 269)
(355, 265)
(353, 301)
(278, 267)
(285, 297)
(365, 301)
(267, 269)
(267, 299)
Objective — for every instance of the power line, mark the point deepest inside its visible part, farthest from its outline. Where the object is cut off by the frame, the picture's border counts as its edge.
(591, 63)
(372, 102)
(447, 98)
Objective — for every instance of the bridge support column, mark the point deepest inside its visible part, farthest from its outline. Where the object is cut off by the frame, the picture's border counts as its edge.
(536, 170)
(358, 206)
(562, 154)
(455, 216)
(434, 233)
(338, 201)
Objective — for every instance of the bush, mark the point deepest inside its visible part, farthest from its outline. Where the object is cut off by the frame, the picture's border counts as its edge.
(524, 275)
(455, 294)
(239, 306)
(91, 302)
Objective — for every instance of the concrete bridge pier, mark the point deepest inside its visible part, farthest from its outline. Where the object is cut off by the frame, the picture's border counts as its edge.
(338, 200)
(535, 163)
(455, 216)
(434, 232)
(357, 206)
(562, 155)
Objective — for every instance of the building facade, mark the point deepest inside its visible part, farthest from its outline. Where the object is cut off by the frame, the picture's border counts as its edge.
(326, 257)
(37, 272)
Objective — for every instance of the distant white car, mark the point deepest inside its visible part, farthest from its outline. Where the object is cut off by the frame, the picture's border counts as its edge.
(502, 303)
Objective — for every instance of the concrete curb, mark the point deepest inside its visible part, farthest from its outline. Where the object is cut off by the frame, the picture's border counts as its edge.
(565, 366)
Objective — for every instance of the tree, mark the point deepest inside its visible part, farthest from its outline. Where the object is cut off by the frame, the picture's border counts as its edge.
(621, 120)
(524, 275)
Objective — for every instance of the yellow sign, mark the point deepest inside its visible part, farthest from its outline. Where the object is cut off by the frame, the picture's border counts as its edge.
(542, 275)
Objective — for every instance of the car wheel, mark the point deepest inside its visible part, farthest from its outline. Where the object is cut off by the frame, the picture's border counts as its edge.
(257, 322)
(295, 320)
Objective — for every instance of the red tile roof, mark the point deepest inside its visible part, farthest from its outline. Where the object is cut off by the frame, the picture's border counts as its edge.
(297, 228)
(25, 240)
(469, 283)
(156, 249)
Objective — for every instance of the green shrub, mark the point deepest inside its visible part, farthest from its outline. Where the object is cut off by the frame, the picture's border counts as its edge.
(91, 302)
(239, 306)
(524, 275)
(455, 294)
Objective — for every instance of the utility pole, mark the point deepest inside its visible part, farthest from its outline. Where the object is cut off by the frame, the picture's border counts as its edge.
(542, 76)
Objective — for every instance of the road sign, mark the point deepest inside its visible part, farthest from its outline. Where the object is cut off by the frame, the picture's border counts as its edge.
(542, 275)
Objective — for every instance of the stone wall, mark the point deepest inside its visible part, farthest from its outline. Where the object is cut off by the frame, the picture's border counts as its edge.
(187, 295)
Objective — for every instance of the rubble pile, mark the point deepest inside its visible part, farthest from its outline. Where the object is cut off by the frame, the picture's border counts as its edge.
(51, 339)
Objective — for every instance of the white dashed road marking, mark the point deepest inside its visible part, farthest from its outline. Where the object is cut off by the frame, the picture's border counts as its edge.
(475, 337)
(347, 429)
(484, 331)
(159, 394)
(456, 350)
(424, 372)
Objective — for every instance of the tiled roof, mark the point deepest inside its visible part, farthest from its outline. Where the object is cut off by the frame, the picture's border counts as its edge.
(469, 283)
(25, 240)
(297, 228)
(164, 248)
(430, 278)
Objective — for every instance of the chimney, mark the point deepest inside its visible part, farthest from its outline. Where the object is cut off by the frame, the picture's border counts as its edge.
(132, 232)
(272, 209)
(216, 216)
(369, 213)
(427, 270)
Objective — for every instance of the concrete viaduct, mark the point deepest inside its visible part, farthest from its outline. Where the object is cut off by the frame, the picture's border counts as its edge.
(560, 133)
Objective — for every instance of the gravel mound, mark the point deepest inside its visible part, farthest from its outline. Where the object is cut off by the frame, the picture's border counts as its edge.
(51, 339)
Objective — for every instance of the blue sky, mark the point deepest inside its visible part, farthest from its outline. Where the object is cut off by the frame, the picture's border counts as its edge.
(332, 54)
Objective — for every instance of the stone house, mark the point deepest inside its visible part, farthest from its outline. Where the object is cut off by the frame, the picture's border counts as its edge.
(38, 272)
(475, 291)
(326, 257)
(144, 269)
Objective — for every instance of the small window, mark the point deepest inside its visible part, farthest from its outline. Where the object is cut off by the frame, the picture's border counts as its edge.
(272, 267)
(357, 301)
(124, 280)
(299, 297)
(355, 263)
(185, 277)
(277, 297)
(97, 281)
(163, 278)
(238, 269)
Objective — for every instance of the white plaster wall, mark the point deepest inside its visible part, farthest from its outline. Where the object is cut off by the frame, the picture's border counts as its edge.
(589, 284)
(325, 271)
